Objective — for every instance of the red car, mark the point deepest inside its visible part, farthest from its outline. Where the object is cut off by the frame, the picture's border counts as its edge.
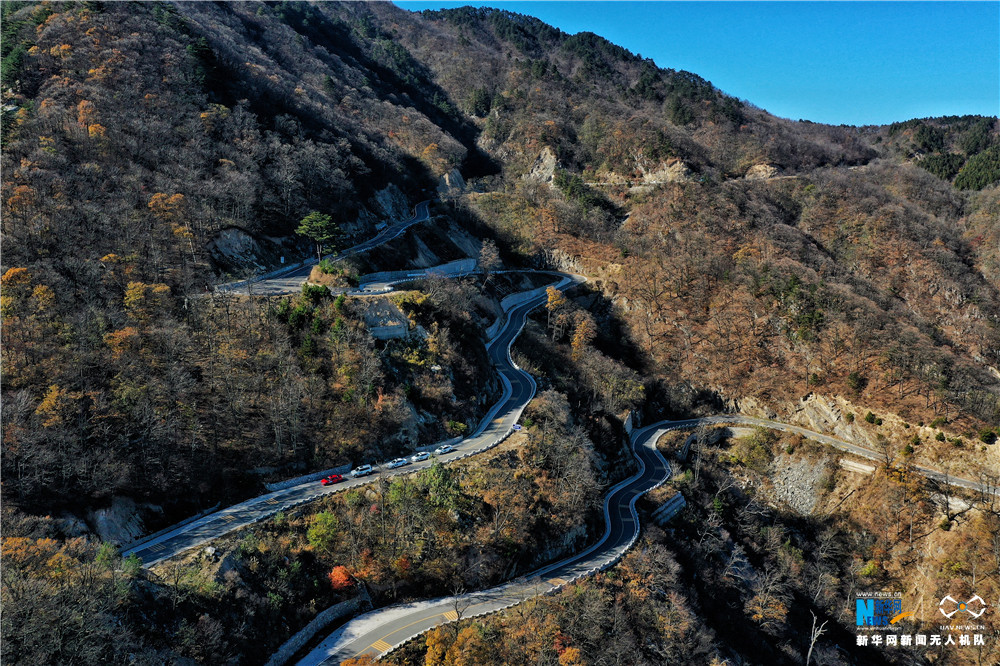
(332, 479)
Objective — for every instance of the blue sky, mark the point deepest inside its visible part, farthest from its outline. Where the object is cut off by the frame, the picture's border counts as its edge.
(833, 62)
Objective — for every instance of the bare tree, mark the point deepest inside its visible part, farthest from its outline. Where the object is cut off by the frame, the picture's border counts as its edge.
(814, 636)
(460, 602)
(489, 260)
(700, 439)
(989, 492)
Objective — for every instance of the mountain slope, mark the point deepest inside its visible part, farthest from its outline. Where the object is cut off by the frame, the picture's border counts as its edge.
(737, 259)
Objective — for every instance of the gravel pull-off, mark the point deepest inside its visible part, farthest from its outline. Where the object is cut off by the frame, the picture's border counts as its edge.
(796, 482)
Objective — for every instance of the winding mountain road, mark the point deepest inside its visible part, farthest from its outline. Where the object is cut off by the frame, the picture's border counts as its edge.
(382, 630)
(519, 388)
(738, 419)
(292, 279)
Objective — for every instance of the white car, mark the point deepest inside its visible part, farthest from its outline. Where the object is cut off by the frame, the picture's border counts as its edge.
(398, 462)
(417, 457)
(364, 470)
(446, 448)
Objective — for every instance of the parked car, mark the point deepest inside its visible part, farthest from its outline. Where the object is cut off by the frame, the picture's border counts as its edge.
(364, 470)
(398, 462)
(445, 448)
(332, 479)
(417, 457)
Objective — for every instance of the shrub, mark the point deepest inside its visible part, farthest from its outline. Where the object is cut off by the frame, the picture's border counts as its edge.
(915, 440)
(314, 293)
(908, 450)
(987, 435)
(870, 569)
(340, 578)
(855, 381)
(755, 451)
(849, 417)
(939, 437)
(938, 422)
(869, 417)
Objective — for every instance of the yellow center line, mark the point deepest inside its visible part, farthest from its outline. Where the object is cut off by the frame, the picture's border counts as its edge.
(447, 615)
(406, 627)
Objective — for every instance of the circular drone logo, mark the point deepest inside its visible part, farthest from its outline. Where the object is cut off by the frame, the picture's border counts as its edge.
(974, 606)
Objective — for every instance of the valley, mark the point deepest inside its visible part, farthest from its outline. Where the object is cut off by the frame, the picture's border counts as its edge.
(691, 378)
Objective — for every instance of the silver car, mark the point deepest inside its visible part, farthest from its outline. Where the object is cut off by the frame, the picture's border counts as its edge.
(364, 470)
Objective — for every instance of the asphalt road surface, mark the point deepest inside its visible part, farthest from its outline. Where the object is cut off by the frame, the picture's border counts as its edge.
(519, 388)
(293, 279)
(380, 631)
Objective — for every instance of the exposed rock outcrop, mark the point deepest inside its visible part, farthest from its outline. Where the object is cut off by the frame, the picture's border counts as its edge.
(544, 168)
(674, 171)
(393, 203)
(797, 482)
(233, 249)
(761, 172)
(451, 183)
(120, 523)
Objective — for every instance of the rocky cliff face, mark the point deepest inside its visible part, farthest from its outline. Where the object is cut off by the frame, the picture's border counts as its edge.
(451, 183)
(544, 168)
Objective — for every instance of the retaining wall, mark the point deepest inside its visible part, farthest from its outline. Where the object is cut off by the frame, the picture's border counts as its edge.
(458, 266)
(149, 537)
(315, 476)
(320, 622)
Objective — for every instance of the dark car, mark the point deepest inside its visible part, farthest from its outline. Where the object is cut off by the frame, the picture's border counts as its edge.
(332, 479)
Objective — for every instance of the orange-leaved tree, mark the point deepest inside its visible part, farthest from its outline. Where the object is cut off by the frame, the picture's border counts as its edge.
(340, 578)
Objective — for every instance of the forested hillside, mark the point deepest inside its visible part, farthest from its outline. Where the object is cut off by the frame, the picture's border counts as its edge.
(737, 261)
(753, 246)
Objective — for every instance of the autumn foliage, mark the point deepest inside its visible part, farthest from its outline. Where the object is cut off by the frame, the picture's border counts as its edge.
(340, 578)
